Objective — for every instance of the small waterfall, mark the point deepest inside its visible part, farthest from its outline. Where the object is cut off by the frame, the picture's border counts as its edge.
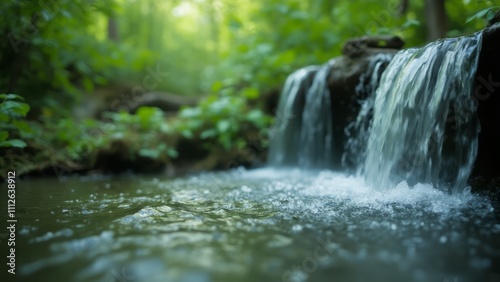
(424, 126)
(417, 121)
(285, 142)
(303, 133)
(358, 131)
(316, 136)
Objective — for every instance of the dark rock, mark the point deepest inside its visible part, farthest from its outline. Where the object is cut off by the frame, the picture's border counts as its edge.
(343, 81)
(494, 20)
(487, 98)
(357, 47)
(270, 101)
(190, 151)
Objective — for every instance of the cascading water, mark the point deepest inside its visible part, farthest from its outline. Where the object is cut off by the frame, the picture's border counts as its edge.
(303, 133)
(420, 125)
(424, 126)
(283, 149)
(358, 131)
(316, 136)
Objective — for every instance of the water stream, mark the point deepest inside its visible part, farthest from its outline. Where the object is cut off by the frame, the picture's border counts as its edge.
(258, 225)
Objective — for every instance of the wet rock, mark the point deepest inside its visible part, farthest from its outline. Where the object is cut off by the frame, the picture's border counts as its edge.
(367, 45)
(487, 100)
(345, 78)
(270, 101)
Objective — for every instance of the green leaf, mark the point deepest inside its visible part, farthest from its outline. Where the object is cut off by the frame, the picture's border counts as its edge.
(146, 113)
(16, 143)
(187, 134)
(172, 153)
(18, 109)
(217, 86)
(149, 153)
(251, 93)
(223, 125)
(254, 114)
(23, 127)
(483, 14)
(264, 48)
(11, 97)
(190, 112)
(209, 133)
(409, 23)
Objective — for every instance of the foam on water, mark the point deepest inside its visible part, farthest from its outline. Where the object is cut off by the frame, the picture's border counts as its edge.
(332, 188)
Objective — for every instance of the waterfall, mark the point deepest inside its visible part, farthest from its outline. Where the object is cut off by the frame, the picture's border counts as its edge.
(417, 121)
(316, 136)
(357, 132)
(285, 139)
(303, 132)
(424, 126)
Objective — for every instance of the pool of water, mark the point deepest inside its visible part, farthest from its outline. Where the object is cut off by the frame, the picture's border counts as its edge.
(256, 225)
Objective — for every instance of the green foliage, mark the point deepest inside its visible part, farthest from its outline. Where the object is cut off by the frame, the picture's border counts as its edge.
(75, 140)
(486, 14)
(56, 52)
(75, 143)
(270, 39)
(147, 132)
(224, 119)
(13, 110)
(52, 52)
(467, 16)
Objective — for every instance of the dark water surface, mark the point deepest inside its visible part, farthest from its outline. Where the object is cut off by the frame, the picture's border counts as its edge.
(259, 225)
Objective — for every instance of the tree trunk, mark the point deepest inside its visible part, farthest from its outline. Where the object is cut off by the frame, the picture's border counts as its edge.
(436, 19)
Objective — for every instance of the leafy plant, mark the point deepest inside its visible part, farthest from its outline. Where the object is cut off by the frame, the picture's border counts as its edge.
(146, 131)
(77, 140)
(486, 14)
(222, 118)
(53, 66)
(13, 111)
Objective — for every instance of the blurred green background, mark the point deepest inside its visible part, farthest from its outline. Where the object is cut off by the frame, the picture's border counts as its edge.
(59, 54)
